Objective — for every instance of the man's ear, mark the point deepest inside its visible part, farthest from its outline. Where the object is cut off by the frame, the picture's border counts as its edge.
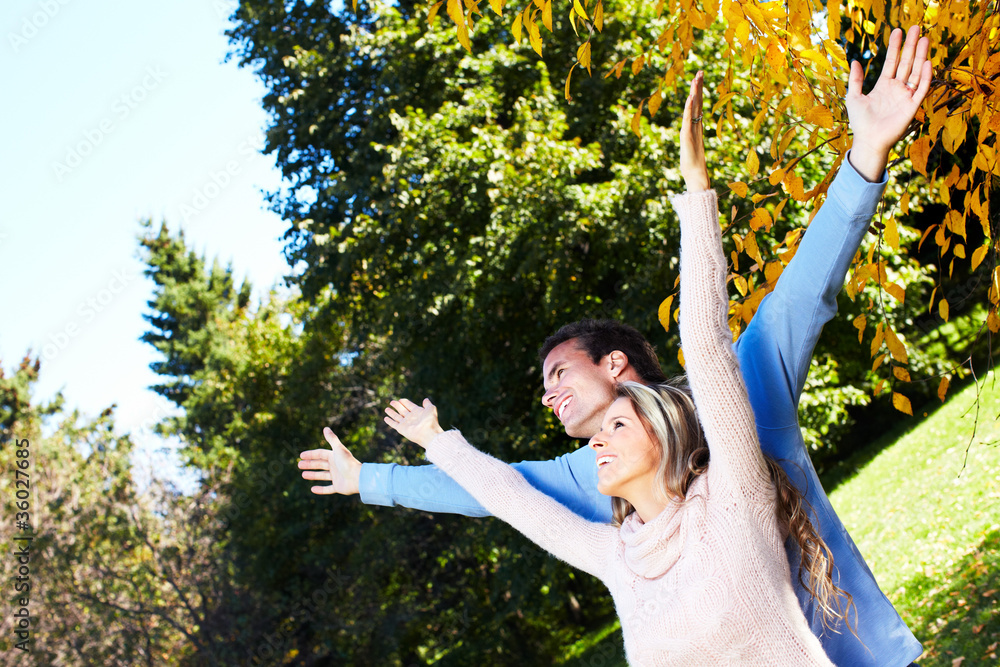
(617, 364)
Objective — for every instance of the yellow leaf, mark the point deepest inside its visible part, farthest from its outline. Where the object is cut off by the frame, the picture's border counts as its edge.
(742, 34)
(569, 98)
(816, 57)
(892, 234)
(739, 188)
(955, 222)
(993, 321)
(777, 176)
(751, 249)
(879, 337)
(954, 133)
(583, 55)
(896, 291)
(599, 16)
(920, 150)
(753, 162)
(901, 373)
(457, 15)
(546, 14)
(638, 63)
(878, 387)
(654, 103)
(819, 115)
(896, 347)
(760, 218)
(901, 403)
(497, 7)
(578, 10)
(637, 119)
(860, 322)
(978, 255)
(942, 390)
(741, 285)
(534, 37)
(943, 309)
(432, 14)
(516, 30)
(773, 271)
(680, 357)
(774, 56)
(664, 312)
(878, 362)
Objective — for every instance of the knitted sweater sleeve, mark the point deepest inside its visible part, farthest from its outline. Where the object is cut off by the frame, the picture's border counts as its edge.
(507, 495)
(710, 361)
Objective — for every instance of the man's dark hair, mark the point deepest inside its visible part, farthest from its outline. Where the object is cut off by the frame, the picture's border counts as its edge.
(599, 338)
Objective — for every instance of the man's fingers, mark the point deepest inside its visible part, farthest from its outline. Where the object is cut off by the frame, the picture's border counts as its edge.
(926, 76)
(919, 62)
(321, 475)
(323, 490)
(314, 464)
(408, 404)
(890, 68)
(856, 79)
(319, 454)
(907, 54)
(331, 438)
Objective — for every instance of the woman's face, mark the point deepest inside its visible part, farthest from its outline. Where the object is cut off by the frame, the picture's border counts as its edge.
(627, 457)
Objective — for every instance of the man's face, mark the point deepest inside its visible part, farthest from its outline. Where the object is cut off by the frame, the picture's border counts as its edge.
(577, 390)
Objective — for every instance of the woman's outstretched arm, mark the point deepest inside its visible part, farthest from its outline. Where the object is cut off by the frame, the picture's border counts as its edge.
(504, 492)
(711, 364)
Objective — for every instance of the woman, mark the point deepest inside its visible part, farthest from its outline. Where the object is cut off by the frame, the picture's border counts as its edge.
(696, 564)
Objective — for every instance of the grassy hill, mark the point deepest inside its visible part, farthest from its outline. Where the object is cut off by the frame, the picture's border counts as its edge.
(922, 505)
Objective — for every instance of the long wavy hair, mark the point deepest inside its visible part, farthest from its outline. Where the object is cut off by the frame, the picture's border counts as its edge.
(667, 412)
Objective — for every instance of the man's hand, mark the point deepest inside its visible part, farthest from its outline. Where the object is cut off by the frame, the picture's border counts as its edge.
(413, 422)
(881, 117)
(336, 465)
(693, 167)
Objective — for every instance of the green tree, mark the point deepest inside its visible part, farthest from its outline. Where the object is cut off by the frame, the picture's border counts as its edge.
(118, 575)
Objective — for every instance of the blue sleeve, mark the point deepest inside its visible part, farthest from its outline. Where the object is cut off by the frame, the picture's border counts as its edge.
(776, 348)
(774, 352)
(571, 479)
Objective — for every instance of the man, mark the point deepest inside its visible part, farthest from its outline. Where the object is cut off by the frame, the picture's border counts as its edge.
(583, 361)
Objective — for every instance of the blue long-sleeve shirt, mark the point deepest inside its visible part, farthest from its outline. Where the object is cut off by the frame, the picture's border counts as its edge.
(774, 354)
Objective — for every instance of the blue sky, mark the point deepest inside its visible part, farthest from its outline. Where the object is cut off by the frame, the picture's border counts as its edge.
(118, 111)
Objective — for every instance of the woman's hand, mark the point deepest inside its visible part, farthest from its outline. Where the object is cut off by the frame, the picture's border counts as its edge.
(693, 167)
(413, 422)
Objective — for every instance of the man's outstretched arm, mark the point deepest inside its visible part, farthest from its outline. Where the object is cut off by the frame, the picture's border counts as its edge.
(570, 479)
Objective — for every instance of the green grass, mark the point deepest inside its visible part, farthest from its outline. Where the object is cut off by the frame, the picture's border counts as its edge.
(924, 513)
(922, 505)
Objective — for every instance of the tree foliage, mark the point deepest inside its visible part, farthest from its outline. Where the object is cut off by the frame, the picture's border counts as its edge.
(786, 66)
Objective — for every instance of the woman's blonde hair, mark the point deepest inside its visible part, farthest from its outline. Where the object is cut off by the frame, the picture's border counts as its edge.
(668, 413)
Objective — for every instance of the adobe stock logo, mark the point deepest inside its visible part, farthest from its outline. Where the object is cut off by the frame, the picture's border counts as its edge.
(32, 25)
(86, 312)
(121, 109)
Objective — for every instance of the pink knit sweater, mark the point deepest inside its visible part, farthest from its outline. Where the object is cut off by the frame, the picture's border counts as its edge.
(707, 581)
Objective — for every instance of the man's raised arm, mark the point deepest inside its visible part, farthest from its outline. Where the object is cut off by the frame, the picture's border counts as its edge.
(777, 346)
